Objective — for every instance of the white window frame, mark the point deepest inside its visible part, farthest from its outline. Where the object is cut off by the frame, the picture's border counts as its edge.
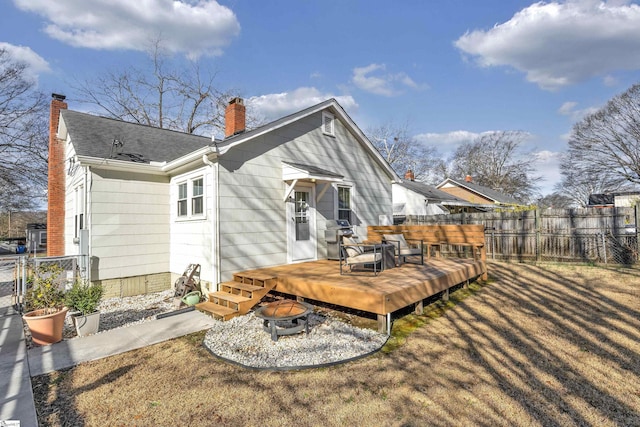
(331, 119)
(189, 201)
(352, 199)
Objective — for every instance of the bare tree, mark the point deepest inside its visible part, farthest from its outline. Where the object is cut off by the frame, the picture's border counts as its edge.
(167, 93)
(606, 144)
(495, 160)
(403, 152)
(555, 200)
(579, 180)
(23, 137)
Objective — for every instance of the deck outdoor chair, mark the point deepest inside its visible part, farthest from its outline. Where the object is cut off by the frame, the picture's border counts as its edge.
(353, 253)
(405, 247)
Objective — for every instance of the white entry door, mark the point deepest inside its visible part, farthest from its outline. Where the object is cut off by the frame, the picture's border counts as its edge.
(302, 225)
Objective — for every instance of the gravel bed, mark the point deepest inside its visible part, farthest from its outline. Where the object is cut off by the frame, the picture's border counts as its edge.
(126, 311)
(242, 340)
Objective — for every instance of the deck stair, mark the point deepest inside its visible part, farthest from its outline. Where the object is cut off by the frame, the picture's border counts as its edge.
(238, 296)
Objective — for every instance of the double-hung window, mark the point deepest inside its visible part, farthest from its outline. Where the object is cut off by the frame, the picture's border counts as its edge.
(191, 198)
(344, 203)
(197, 197)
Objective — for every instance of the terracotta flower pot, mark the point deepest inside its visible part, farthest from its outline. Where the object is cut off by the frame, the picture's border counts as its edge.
(46, 328)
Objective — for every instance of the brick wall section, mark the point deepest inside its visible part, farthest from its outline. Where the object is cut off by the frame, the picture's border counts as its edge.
(234, 117)
(56, 183)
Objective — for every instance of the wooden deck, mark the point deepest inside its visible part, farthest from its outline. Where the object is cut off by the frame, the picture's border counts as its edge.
(390, 290)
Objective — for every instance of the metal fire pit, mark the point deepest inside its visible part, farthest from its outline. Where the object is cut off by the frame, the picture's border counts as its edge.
(282, 317)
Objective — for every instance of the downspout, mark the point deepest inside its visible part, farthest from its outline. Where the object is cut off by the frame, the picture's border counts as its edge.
(86, 222)
(215, 232)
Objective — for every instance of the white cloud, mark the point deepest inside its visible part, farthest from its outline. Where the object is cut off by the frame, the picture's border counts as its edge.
(192, 28)
(35, 64)
(569, 109)
(275, 105)
(547, 165)
(455, 137)
(385, 84)
(557, 44)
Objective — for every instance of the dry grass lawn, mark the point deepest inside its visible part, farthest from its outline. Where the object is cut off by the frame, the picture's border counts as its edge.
(539, 345)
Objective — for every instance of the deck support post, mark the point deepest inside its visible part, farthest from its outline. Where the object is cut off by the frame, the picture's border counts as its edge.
(384, 323)
(467, 283)
(419, 308)
(299, 299)
(445, 295)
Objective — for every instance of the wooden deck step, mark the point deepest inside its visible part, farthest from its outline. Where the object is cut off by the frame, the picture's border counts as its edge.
(237, 299)
(217, 311)
(240, 288)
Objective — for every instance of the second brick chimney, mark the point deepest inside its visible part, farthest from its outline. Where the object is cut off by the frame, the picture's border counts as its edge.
(234, 117)
(409, 175)
(56, 184)
(468, 178)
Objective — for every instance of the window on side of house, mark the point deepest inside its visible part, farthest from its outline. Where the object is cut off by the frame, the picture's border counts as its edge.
(182, 200)
(191, 198)
(328, 120)
(344, 204)
(79, 214)
(197, 196)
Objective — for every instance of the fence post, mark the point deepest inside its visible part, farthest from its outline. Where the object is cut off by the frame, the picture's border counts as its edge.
(637, 216)
(538, 237)
(604, 246)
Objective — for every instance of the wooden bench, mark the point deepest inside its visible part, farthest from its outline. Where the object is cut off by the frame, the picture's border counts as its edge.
(435, 236)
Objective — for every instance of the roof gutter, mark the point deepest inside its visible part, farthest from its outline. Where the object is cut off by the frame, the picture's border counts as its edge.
(119, 165)
(194, 157)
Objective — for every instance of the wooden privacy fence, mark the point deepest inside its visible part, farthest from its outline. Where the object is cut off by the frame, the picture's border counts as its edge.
(597, 235)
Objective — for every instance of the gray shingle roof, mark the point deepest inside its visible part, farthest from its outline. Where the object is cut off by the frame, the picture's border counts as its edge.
(433, 194)
(489, 193)
(94, 136)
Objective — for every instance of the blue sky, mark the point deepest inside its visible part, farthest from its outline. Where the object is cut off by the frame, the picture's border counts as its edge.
(451, 69)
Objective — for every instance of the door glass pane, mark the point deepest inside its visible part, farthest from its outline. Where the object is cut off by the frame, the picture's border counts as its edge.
(302, 215)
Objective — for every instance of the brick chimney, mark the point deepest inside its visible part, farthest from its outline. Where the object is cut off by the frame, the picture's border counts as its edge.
(234, 117)
(409, 175)
(468, 178)
(56, 183)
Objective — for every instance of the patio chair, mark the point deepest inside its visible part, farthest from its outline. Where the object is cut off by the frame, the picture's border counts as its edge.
(353, 253)
(405, 247)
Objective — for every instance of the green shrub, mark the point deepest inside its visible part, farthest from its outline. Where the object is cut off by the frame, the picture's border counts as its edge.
(84, 297)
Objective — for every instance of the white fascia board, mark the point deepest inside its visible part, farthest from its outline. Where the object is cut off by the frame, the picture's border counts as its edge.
(119, 165)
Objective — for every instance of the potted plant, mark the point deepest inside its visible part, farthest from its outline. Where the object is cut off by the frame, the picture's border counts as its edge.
(83, 299)
(45, 306)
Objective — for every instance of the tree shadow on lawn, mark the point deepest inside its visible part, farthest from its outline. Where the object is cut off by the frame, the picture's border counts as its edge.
(55, 403)
(539, 345)
(548, 379)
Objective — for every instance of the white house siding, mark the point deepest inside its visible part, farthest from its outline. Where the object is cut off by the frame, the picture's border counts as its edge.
(192, 239)
(252, 211)
(414, 203)
(72, 182)
(128, 218)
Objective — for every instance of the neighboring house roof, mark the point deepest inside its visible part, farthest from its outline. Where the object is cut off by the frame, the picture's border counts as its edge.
(101, 137)
(483, 191)
(601, 199)
(432, 194)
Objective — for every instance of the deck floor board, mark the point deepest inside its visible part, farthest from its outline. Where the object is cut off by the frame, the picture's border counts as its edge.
(390, 290)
